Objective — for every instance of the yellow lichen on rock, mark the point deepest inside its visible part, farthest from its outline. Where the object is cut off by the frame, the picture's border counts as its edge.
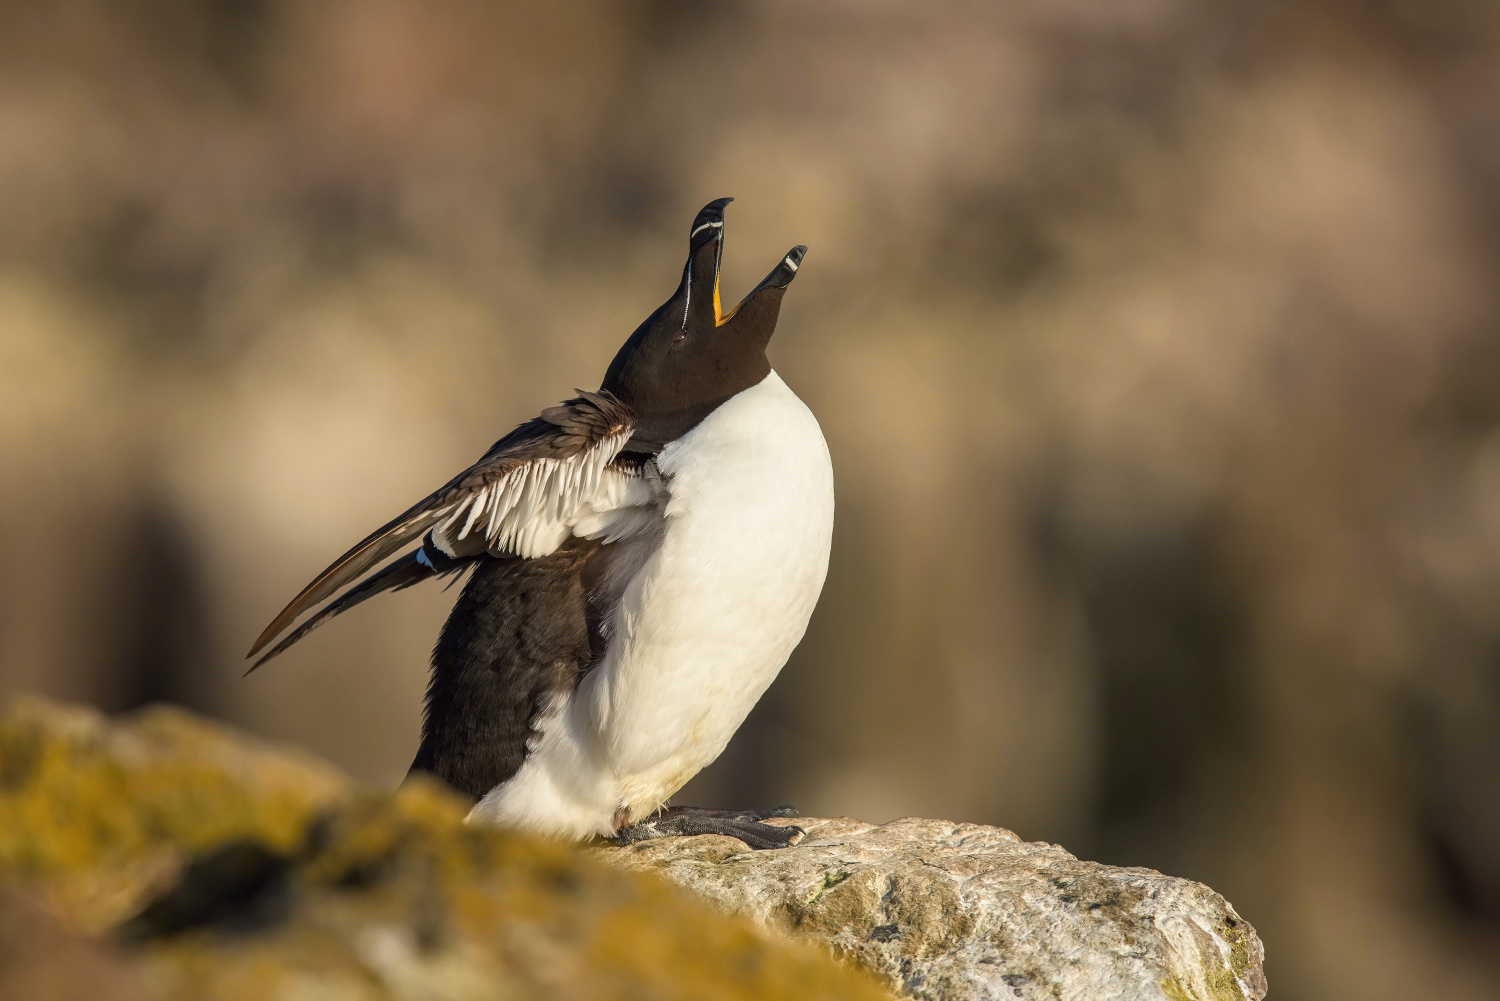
(402, 894)
(260, 874)
(96, 811)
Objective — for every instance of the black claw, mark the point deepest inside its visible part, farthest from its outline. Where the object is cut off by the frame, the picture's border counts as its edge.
(763, 837)
(685, 821)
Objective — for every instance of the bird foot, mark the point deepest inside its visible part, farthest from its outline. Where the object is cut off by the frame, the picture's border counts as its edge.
(679, 821)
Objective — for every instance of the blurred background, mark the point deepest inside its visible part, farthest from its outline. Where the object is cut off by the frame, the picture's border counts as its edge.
(1157, 344)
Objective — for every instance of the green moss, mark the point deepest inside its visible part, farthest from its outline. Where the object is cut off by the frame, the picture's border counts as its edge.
(1222, 983)
(1175, 991)
(1236, 933)
(830, 880)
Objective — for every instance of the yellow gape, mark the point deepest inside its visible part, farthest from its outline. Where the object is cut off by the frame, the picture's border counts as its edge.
(719, 318)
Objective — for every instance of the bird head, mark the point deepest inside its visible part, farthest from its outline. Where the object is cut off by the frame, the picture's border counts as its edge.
(689, 356)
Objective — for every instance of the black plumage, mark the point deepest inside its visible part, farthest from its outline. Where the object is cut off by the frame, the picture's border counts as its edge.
(521, 632)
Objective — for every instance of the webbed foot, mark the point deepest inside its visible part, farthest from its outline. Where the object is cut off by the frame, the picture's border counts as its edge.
(678, 821)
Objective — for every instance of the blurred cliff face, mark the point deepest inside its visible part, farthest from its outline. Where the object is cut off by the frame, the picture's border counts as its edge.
(1156, 344)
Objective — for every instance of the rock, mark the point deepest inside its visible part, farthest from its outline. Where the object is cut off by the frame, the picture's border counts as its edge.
(98, 812)
(210, 866)
(958, 911)
(163, 857)
(42, 958)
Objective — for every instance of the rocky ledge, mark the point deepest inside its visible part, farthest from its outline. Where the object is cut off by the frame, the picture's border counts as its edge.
(163, 857)
(948, 911)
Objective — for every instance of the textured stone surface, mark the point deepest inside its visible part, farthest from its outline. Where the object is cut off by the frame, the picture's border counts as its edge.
(245, 871)
(164, 857)
(958, 911)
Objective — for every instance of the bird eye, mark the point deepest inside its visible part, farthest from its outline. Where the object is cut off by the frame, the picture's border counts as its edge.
(679, 337)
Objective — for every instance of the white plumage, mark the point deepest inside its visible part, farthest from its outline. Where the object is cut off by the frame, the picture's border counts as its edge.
(532, 509)
(743, 510)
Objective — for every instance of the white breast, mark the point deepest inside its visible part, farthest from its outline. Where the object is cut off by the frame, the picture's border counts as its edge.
(702, 628)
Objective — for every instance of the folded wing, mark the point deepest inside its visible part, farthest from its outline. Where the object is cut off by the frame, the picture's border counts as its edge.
(550, 478)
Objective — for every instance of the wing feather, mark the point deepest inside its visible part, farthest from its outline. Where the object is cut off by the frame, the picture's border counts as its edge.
(523, 494)
(402, 573)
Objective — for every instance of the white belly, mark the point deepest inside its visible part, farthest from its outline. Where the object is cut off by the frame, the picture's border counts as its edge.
(703, 627)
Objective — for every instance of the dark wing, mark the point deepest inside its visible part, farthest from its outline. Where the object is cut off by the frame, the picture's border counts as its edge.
(403, 573)
(522, 498)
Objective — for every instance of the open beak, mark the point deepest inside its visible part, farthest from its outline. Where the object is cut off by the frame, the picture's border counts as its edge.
(706, 255)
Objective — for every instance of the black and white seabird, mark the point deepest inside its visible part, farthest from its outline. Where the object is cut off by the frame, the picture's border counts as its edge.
(643, 559)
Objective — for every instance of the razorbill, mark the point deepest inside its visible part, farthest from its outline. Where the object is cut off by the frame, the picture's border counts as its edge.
(642, 560)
